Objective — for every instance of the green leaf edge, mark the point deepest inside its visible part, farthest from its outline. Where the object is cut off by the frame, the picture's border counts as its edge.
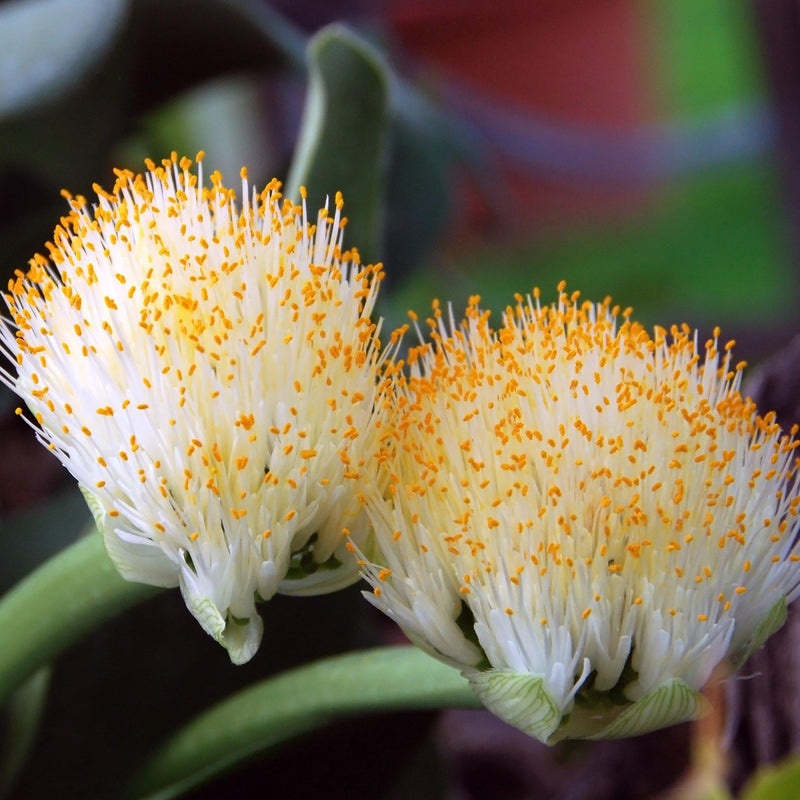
(336, 147)
(294, 702)
(70, 595)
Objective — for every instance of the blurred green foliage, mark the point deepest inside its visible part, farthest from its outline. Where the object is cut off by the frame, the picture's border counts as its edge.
(710, 252)
(706, 54)
(706, 247)
(778, 782)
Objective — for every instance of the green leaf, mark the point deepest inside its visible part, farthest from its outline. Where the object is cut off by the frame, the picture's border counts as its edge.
(48, 46)
(68, 596)
(778, 782)
(342, 142)
(282, 707)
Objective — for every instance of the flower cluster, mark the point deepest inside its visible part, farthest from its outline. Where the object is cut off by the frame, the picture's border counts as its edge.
(208, 373)
(585, 519)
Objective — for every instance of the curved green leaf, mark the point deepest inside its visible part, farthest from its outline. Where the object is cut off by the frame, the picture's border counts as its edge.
(292, 703)
(68, 596)
(342, 142)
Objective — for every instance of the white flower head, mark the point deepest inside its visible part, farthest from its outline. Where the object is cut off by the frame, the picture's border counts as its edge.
(209, 373)
(584, 518)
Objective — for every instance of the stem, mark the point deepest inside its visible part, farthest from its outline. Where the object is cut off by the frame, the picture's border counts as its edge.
(68, 596)
(294, 702)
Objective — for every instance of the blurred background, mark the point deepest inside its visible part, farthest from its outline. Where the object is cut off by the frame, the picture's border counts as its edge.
(644, 149)
(632, 147)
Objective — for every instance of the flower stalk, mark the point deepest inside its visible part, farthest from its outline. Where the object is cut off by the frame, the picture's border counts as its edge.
(294, 702)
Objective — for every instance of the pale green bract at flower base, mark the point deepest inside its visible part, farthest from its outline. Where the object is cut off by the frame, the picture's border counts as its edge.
(208, 370)
(589, 521)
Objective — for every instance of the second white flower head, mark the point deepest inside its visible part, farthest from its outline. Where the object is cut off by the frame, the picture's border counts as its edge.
(584, 518)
